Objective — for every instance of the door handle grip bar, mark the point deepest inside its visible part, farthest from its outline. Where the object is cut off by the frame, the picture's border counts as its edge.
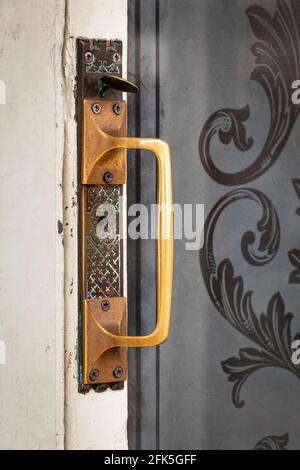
(165, 239)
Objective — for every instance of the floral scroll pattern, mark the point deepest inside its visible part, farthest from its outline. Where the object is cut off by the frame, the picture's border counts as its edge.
(273, 443)
(271, 332)
(277, 53)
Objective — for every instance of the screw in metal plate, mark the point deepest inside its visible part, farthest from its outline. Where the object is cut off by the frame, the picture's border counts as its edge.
(89, 57)
(105, 305)
(118, 372)
(108, 177)
(94, 374)
(96, 108)
(117, 109)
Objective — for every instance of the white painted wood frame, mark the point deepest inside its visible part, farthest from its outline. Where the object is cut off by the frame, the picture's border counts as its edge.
(40, 407)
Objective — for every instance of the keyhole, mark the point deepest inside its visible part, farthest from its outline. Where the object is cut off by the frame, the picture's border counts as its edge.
(102, 223)
(106, 222)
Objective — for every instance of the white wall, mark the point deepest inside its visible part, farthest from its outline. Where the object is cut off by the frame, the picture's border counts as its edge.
(37, 148)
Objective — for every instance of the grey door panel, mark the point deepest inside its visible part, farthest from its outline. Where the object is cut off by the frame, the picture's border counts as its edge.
(215, 78)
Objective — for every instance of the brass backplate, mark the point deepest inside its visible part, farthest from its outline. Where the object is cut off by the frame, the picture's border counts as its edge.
(100, 259)
(110, 364)
(110, 118)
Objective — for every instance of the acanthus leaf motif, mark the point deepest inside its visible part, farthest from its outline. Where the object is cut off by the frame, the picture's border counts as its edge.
(271, 331)
(277, 59)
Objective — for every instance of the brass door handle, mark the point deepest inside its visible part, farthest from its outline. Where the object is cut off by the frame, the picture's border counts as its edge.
(103, 173)
(165, 237)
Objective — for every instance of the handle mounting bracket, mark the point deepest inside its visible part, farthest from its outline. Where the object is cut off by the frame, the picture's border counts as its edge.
(103, 144)
(100, 106)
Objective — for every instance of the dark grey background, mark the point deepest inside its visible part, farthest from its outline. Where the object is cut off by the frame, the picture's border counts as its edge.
(191, 58)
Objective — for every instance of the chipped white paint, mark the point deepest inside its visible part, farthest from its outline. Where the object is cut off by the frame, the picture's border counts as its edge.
(37, 145)
(93, 421)
(31, 253)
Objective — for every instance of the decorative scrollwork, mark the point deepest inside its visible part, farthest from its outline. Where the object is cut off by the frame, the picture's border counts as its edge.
(273, 443)
(277, 55)
(271, 332)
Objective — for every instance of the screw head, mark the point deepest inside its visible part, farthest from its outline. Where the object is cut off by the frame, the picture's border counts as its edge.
(105, 305)
(117, 109)
(94, 374)
(108, 177)
(89, 57)
(118, 372)
(96, 108)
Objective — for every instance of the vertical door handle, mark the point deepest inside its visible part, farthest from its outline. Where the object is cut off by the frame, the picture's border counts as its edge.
(165, 239)
(102, 128)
